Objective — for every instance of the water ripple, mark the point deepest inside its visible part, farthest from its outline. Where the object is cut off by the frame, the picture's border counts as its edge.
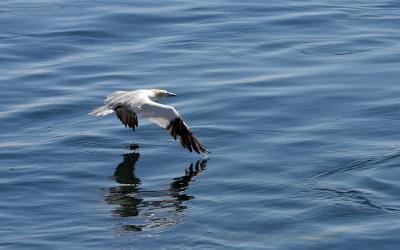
(297, 100)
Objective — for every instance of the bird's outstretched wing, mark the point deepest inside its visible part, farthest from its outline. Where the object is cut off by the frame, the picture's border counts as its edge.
(188, 140)
(167, 117)
(127, 117)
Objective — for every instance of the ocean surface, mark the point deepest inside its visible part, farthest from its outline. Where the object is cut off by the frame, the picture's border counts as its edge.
(299, 102)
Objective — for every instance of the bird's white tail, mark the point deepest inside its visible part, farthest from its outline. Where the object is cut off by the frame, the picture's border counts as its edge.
(101, 111)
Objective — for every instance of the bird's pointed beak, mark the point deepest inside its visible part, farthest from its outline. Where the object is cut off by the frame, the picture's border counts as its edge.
(171, 94)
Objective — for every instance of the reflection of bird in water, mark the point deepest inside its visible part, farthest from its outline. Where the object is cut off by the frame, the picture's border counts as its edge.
(149, 209)
(180, 184)
(125, 172)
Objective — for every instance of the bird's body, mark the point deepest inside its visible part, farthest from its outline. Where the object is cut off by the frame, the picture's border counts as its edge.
(126, 104)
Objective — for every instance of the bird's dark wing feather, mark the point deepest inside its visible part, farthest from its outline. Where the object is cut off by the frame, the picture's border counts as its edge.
(127, 117)
(188, 140)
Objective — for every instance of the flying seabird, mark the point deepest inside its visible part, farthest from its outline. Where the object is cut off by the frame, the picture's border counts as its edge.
(126, 104)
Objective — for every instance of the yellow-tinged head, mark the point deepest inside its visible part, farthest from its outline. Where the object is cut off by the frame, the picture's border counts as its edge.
(160, 93)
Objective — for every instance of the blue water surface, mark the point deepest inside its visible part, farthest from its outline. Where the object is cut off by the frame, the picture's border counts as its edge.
(299, 102)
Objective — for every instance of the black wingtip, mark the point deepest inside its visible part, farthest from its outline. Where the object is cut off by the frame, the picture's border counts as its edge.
(187, 139)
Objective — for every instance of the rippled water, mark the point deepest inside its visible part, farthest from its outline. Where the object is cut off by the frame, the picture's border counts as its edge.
(297, 100)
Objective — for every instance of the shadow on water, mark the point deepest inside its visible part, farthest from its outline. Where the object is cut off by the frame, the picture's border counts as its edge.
(149, 209)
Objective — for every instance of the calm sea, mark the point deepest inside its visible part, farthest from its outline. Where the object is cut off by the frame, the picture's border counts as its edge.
(299, 102)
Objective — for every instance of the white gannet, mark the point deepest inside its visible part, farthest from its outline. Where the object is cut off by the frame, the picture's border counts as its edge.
(126, 104)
